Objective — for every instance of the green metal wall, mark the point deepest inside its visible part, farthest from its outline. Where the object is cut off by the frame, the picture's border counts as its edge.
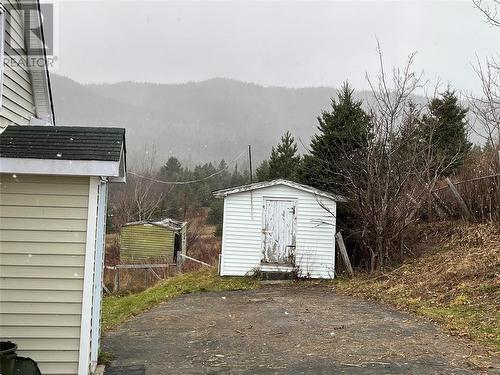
(145, 241)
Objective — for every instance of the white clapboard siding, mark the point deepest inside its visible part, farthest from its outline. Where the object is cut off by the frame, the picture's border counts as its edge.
(17, 98)
(43, 221)
(41, 308)
(242, 232)
(40, 320)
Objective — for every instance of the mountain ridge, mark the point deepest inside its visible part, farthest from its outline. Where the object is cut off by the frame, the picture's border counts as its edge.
(196, 122)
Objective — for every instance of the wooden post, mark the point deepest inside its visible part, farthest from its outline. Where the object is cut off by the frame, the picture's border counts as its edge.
(179, 263)
(117, 280)
(460, 200)
(343, 253)
(438, 203)
(250, 163)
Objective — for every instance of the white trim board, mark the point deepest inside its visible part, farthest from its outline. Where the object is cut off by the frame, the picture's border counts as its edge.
(98, 273)
(221, 271)
(60, 167)
(88, 279)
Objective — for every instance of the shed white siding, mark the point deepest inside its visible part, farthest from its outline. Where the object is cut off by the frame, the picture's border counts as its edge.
(242, 232)
(43, 235)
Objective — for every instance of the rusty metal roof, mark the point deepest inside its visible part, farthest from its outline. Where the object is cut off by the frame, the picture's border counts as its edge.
(165, 223)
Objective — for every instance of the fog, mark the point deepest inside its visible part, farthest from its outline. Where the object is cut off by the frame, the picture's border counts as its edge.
(298, 44)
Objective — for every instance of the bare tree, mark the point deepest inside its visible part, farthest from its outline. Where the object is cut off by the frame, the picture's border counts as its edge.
(140, 198)
(391, 178)
(490, 10)
(486, 107)
(386, 199)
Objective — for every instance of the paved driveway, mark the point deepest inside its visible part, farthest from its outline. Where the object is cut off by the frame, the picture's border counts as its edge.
(286, 330)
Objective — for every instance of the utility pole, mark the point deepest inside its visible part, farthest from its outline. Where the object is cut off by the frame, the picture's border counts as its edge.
(250, 162)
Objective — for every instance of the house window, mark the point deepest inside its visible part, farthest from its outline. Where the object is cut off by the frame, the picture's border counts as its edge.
(2, 41)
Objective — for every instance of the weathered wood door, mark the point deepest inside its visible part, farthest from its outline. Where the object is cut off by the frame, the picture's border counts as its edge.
(278, 232)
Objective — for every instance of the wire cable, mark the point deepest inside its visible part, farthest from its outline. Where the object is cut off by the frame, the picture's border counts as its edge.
(190, 181)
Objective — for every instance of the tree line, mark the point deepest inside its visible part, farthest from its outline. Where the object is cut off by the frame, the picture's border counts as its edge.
(385, 156)
(156, 193)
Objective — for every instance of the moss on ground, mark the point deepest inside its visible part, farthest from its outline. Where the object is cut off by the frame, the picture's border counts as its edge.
(105, 358)
(118, 309)
(456, 282)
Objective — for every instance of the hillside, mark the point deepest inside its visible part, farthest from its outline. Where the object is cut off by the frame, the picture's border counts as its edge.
(455, 282)
(196, 122)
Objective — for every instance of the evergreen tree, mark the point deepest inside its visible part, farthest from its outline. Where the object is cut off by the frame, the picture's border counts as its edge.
(445, 128)
(284, 161)
(343, 135)
(239, 178)
(216, 215)
(262, 172)
(171, 170)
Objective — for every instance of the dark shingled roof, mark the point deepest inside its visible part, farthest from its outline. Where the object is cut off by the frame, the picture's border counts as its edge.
(62, 142)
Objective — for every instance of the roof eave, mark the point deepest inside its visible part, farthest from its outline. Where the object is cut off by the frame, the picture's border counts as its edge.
(261, 185)
(156, 224)
(59, 167)
(122, 167)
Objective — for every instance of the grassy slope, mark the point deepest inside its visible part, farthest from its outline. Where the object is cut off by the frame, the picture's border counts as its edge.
(118, 309)
(456, 282)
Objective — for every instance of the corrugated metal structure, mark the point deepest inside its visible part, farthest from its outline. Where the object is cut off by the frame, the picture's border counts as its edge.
(278, 226)
(152, 240)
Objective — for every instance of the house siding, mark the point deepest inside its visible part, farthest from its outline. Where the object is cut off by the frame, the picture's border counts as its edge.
(18, 105)
(43, 221)
(242, 232)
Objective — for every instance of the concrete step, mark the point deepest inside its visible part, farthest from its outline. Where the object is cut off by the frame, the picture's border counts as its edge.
(277, 275)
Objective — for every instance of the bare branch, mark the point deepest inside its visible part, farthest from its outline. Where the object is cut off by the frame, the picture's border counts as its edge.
(490, 10)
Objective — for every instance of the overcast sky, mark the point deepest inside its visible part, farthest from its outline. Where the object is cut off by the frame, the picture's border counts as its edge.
(280, 43)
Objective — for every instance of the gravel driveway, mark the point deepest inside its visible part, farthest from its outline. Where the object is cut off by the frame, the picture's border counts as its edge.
(287, 330)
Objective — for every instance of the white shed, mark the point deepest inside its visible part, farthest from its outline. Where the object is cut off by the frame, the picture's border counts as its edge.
(278, 226)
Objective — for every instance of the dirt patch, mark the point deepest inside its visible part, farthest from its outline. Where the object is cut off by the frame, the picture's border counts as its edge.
(289, 329)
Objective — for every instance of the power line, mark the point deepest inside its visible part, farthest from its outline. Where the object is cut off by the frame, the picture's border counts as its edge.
(191, 181)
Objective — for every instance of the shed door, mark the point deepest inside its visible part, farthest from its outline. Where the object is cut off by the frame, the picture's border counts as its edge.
(278, 232)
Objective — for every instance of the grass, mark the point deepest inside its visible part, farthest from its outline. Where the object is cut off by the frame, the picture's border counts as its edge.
(105, 358)
(455, 283)
(118, 309)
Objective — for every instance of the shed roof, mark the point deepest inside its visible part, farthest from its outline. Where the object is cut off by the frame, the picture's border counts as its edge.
(165, 223)
(62, 143)
(64, 150)
(265, 184)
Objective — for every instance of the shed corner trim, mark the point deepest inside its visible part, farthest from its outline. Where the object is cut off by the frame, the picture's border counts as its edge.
(88, 273)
